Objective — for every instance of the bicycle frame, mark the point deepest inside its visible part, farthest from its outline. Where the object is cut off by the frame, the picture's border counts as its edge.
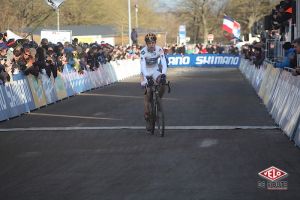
(157, 114)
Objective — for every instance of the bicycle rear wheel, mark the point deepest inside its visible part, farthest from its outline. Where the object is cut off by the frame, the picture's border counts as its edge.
(160, 117)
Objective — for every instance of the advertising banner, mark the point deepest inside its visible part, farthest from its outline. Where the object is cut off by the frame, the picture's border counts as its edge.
(204, 60)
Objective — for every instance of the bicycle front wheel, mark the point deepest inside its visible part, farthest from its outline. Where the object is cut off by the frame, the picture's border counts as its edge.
(160, 117)
(152, 116)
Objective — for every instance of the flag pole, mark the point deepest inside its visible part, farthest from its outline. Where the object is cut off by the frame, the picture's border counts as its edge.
(136, 15)
(58, 23)
(129, 22)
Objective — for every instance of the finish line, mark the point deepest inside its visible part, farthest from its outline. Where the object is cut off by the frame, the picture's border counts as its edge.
(139, 128)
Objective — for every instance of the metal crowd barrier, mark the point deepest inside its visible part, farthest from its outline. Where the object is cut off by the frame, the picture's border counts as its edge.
(280, 92)
(27, 93)
(274, 50)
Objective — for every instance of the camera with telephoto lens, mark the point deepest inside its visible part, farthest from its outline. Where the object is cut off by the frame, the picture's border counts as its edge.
(3, 58)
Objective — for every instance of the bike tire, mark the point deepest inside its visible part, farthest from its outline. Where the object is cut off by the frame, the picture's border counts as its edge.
(152, 117)
(160, 117)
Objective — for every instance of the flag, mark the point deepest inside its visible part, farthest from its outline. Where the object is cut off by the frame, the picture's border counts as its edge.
(236, 30)
(54, 3)
(228, 24)
(231, 26)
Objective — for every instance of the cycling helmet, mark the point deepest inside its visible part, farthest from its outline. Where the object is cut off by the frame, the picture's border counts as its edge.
(150, 37)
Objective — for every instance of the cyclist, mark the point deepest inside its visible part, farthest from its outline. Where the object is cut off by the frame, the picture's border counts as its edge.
(153, 64)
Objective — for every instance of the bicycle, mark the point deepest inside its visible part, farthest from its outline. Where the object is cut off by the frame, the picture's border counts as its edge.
(156, 108)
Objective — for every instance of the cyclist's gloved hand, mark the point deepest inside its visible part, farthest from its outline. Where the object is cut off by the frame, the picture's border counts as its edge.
(163, 76)
(163, 79)
(150, 81)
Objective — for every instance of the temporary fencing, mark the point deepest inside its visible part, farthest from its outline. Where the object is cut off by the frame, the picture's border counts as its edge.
(26, 93)
(280, 92)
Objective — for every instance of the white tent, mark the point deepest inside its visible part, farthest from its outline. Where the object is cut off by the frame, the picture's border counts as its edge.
(12, 35)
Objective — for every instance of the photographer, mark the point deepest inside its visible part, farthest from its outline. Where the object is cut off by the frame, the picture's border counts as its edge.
(296, 44)
(51, 62)
(31, 65)
(44, 43)
(108, 49)
(18, 62)
(4, 76)
(101, 55)
(92, 58)
(58, 53)
(40, 60)
(288, 56)
(259, 55)
(82, 56)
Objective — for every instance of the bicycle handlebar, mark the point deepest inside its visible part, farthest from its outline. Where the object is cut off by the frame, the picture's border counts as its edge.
(151, 83)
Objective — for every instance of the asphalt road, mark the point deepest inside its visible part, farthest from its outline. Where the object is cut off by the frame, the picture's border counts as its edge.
(82, 160)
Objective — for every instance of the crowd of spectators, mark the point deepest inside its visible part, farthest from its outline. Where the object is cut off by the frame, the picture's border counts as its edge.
(276, 45)
(256, 53)
(201, 49)
(29, 57)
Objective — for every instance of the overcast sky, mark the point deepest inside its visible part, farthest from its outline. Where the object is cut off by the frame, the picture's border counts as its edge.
(167, 4)
(173, 3)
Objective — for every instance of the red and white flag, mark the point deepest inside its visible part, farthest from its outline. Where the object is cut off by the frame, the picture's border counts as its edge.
(236, 29)
(228, 24)
(231, 26)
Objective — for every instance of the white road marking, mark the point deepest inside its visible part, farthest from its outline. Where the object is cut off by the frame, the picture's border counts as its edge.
(121, 96)
(72, 116)
(139, 128)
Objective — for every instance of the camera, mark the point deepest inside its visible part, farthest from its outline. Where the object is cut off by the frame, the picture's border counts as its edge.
(49, 61)
(4, 58)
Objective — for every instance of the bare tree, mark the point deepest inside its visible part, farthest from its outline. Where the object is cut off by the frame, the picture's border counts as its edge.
(248, 12)
(20, 14)
(197, 14)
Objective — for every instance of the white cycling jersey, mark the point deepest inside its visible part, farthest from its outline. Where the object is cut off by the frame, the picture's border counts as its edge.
(150, 63)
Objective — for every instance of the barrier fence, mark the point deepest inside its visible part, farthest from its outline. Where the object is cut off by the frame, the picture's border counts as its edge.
(26, 93)
(280, 92)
